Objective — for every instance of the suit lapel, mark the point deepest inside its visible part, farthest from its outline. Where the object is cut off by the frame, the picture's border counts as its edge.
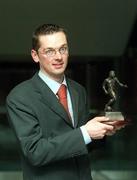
(74, 100)
(50, 99)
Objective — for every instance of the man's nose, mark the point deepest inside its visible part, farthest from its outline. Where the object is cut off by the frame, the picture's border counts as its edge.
(58, 55)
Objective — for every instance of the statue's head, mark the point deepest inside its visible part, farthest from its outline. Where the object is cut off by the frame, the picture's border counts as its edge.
(112, 74)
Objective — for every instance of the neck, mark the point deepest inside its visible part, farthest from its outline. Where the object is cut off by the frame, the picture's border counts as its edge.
(59, 79)
(56, 78)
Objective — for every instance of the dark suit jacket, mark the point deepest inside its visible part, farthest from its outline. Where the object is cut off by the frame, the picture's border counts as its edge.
(51, 148)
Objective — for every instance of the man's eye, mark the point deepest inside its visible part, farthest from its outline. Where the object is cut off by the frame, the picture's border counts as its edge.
(63, 49)
(49, 52)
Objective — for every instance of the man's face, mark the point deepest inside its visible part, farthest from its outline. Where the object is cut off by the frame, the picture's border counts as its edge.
(52, 55)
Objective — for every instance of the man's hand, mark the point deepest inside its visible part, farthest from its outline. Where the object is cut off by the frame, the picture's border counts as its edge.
(97, 128)
(117, 126)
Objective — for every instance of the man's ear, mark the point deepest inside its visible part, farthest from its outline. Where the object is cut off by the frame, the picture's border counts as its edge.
(34, 55)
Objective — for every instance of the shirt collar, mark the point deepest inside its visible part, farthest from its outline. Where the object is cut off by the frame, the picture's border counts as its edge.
(52, 84)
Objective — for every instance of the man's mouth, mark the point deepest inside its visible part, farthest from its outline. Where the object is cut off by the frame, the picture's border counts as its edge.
(58, 66)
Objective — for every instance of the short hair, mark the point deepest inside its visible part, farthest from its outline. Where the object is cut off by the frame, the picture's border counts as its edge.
(45, 29)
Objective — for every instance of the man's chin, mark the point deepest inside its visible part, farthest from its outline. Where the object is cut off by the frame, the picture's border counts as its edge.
(59, 71)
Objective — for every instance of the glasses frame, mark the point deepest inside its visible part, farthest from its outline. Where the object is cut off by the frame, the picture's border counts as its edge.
(51, 52)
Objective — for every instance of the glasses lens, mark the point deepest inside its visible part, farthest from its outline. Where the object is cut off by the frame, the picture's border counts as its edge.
(63, 50)
(50, 52)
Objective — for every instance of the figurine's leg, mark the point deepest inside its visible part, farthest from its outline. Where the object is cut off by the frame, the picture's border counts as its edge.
(108, 106)
(111, 102)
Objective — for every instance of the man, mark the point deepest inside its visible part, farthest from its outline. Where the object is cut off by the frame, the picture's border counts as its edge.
(53, 141)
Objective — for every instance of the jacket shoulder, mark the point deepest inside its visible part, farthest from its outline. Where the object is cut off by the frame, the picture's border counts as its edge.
(76, 85)
(21, 90)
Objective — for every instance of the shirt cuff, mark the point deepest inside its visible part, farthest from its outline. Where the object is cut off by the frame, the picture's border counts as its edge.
(85, 134)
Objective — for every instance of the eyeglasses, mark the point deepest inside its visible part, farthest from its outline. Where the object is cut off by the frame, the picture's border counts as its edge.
(51, 52)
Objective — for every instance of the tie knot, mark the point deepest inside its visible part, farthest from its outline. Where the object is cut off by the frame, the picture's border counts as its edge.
(62, 92)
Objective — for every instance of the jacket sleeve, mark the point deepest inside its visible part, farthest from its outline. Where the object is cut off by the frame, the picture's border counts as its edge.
(37, 149)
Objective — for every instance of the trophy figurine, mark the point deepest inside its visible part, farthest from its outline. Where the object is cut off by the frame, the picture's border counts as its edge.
(109, 87)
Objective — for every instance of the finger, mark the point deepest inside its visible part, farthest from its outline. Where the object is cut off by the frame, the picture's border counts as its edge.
(102, 119)
(108, 127)
(110, 133)
(113, 123)
(119, 127)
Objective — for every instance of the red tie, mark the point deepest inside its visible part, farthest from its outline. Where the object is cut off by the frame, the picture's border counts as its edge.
(62, 94)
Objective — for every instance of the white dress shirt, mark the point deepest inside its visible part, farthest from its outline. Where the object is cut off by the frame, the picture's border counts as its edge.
(54, 86)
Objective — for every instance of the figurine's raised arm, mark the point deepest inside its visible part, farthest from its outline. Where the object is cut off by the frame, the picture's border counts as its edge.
(120, 84)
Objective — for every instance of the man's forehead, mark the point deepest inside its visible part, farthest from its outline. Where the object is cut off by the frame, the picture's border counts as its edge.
(53, 40)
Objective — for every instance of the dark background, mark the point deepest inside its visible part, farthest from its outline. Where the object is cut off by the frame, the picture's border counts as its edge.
(102, 37)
